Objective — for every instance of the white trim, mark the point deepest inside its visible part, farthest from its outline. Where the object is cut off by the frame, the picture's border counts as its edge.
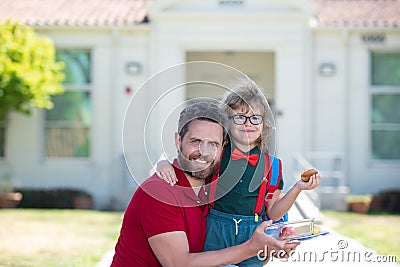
(380, 89)
(257, 17)
(135, 27)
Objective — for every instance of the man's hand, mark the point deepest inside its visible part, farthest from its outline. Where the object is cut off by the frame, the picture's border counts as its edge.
(283, 253)
(172, 249)
(267, 246)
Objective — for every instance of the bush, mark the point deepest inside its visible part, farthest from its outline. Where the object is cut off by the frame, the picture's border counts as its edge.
(387, 201)
(62, 198)
(29, 73)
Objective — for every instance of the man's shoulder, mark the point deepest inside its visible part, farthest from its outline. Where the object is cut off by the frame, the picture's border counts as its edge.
(154, 180)
(155, 184)
(158, 189)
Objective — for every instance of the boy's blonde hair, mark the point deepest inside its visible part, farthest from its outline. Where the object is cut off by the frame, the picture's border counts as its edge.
(246, 94)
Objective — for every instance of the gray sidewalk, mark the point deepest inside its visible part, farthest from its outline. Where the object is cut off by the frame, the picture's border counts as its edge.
(333, 250)
(106, 259)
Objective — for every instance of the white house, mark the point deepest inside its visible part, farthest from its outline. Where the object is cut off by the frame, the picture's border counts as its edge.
(329, 68)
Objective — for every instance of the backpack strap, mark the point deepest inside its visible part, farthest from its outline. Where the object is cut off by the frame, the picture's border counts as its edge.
(275, 174)
(264, 187)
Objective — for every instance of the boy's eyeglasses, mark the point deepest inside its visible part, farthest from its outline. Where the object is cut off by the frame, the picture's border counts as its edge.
(242, 119)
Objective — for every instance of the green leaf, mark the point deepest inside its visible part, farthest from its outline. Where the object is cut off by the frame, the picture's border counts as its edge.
(29, 72)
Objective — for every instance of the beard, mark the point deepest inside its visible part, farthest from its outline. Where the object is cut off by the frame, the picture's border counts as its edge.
(189, 167)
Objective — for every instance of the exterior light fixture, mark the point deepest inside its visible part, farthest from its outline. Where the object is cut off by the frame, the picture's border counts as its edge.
(133, 68)
(327, 69)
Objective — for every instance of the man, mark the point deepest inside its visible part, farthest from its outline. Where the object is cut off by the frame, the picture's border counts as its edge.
(164, 225)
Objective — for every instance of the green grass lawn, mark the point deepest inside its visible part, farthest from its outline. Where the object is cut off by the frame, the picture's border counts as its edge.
(55, 238)
(65, 238)
(378, 232)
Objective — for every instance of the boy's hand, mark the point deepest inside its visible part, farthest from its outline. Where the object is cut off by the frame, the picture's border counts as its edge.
(314, 181)
(165, 171)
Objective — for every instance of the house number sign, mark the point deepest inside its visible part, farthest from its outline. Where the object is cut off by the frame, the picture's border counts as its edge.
(373, 38)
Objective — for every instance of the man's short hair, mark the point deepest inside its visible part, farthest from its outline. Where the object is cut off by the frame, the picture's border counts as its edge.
(204, 110)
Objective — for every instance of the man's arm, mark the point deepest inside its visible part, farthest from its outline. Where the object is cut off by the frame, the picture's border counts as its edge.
(172, 249)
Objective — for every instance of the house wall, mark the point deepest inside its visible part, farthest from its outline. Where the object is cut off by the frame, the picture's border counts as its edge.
(315, 113)
(165, 42)
(342, 123)
(286, 38)
(365, 174)
(104, 172)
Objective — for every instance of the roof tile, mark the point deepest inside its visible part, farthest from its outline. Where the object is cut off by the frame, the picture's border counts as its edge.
(354, 13)
(358, 13)
(74, 12)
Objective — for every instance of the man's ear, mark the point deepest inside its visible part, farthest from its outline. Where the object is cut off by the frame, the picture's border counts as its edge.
(177, 141)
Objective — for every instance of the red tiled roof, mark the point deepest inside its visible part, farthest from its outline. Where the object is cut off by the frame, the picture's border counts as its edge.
(74, 12)
(358, 13)
(353, 13)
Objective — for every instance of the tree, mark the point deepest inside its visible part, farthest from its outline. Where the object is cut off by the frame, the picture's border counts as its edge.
(29, 74)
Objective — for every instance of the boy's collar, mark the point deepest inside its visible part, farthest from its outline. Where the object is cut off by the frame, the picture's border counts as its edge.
(231, 146)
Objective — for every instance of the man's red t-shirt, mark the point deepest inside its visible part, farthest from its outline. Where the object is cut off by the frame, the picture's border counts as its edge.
(156, 208)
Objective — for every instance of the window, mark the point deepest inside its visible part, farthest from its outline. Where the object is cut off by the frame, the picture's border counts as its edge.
(385, 106)
(68, 124)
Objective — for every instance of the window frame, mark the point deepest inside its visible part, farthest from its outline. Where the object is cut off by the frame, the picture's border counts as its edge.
(87, 87)
(373, 90)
